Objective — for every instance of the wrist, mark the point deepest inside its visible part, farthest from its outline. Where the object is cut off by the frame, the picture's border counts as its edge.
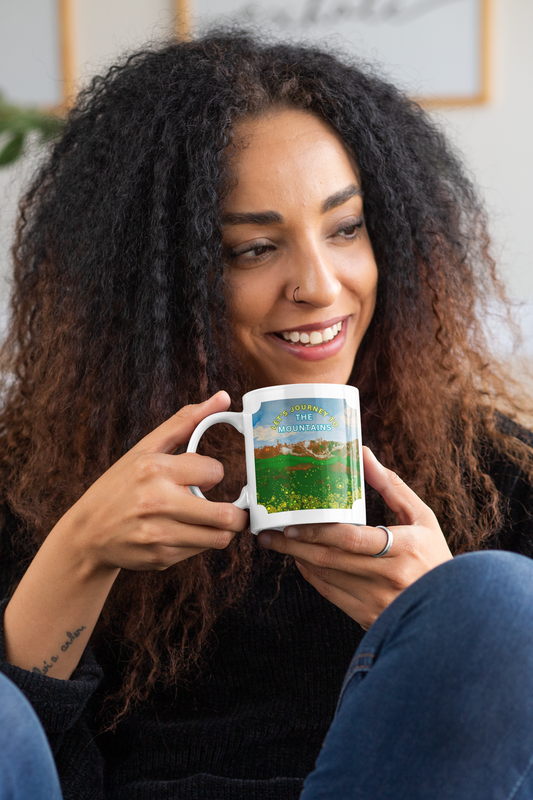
(74, 548)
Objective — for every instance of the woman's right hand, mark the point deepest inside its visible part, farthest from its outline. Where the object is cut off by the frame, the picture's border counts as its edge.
(141, 514)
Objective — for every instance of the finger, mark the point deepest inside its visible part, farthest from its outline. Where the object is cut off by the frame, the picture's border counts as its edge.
(409, 508)
(357, 539)
(179, 428)
(160, 544)
(161, 533)
(189, 509)
(160, 560)
(344, 600)
(188, 469)
(362, 598)
(320, 556)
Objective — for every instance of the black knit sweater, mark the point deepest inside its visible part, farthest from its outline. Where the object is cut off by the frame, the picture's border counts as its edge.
(252, 726)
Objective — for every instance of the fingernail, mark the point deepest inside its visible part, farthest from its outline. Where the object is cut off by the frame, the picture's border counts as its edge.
(291, 532)
(374, 457)
(264, 539)
(217, 394)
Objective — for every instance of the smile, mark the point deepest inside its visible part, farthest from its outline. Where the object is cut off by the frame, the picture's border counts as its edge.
(315, 341)
(312, 338)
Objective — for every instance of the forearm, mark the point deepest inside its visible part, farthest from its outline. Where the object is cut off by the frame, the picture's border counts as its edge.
(52, 614)
(139, 515)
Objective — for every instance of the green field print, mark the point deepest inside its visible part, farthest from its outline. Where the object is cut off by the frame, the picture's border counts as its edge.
(310, 474)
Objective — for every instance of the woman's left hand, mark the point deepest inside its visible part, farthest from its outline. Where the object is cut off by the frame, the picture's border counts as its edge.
(336, 558)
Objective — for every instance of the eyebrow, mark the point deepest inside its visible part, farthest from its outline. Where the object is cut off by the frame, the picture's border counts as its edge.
(341, 197)
(258, 218)
(273, 218)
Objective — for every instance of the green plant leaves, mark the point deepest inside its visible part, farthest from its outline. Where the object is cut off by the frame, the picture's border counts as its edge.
(12, 149)
(17, 122)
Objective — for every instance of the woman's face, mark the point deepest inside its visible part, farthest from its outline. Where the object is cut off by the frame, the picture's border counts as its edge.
(295, 219)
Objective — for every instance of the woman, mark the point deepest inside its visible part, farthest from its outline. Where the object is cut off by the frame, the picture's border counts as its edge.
(204, 202)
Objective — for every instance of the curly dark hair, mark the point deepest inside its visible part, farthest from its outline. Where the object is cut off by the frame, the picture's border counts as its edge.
(119, 314)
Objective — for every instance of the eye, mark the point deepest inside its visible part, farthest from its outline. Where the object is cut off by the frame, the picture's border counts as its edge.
(251, 253)
(258, 251)
(350, 228)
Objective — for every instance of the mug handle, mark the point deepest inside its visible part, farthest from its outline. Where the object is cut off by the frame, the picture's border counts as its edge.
(235, 418)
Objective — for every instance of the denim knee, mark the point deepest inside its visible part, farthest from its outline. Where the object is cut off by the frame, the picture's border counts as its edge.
(27, 768)
(482, 599)
(438, 700)
(490, 585)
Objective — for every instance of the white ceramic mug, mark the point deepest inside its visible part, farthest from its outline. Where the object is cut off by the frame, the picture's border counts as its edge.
(304, 460)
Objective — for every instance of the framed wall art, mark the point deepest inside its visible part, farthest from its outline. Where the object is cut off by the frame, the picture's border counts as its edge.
(437, 50)
(36, 52)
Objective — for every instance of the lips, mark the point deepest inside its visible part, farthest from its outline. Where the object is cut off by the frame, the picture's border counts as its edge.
(313, 338)
(315, 341)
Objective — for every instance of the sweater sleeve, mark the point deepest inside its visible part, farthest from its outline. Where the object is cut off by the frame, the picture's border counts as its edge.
(58, 703)
(516, 492)
(63, 706)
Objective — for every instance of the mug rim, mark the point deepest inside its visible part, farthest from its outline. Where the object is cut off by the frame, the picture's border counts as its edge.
(301, 387)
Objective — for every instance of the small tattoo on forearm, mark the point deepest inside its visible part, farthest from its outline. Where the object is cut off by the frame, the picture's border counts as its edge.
(45, 667)
(71, 637)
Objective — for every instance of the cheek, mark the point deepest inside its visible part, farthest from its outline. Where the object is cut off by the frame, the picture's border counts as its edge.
(361, 278)
(248, 303)
(247, 313)
(368, 278)
(372, 281)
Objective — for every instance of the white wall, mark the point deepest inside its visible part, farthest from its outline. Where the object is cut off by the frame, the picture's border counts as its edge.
(497, 142)
(495, 138)
(30, 69)
(104, 28)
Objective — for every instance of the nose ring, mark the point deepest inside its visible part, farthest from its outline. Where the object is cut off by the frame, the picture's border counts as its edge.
(294, 296)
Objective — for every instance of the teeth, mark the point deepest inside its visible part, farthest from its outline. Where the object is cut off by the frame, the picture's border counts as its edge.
(315, 337)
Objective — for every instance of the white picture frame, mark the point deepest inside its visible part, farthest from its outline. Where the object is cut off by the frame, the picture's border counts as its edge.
(36, 53)
(437, 50)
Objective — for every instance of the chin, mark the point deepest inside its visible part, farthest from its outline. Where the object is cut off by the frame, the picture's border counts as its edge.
(315, 376)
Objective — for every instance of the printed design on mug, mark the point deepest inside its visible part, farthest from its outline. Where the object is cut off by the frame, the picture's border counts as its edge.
(306, 454)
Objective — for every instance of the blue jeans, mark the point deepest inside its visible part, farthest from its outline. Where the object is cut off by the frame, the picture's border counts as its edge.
(438, 701)
(27, 769)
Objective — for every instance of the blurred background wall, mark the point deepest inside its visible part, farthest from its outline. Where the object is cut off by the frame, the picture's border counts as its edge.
(495, 137)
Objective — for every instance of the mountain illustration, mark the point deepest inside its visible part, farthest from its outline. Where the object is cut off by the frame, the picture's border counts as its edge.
(315, 448)
(310, 474)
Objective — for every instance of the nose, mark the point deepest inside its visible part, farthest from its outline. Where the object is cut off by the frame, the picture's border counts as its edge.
(317, 282)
